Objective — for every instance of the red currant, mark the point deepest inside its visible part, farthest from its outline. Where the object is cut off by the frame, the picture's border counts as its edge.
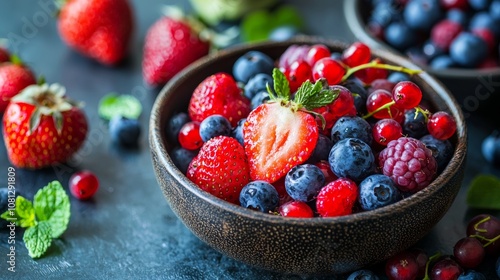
(380, 98)
(441, 125)
(469, 252)
(296, 209)
(337, 198)
(316, 52)
(298, 73)
(83, 184)
(189, 136)
(324, 166)
(422, 259)
(356, 54)
(344, 102)
(381, 84)
(329, 69)
(402, 266)
(446, 269)
(488, 227)
(455, 4)
(407, 95)
(368, 75)
(386, 130)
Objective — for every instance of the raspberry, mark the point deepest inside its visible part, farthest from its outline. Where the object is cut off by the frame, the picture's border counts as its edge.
(409, 163)
(337, 198)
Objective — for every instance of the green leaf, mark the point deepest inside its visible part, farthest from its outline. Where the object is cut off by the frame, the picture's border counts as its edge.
(484, 192)
(23, 215)
(52, 204)
(315, 95)
(287, 15)
(123, 105)
(38, 239)
(281, 85)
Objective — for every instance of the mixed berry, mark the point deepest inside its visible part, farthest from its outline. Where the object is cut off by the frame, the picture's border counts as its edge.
(332, 137)
(440, 33)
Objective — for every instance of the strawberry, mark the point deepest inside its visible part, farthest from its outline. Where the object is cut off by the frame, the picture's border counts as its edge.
(170, 45)
(219, 94)
(14, 77)
(41, 126)
(281, 134)
(100, 29)
(220, 168)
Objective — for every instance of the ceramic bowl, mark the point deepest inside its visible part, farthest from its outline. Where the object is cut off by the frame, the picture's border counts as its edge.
(477, 91)
(291, 245)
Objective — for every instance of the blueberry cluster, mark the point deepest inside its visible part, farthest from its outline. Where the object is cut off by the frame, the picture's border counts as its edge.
(440, 34)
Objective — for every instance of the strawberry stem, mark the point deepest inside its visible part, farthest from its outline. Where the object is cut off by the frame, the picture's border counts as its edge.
(375, 64)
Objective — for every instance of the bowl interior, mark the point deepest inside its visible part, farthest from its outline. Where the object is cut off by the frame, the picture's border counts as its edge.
(175, 97)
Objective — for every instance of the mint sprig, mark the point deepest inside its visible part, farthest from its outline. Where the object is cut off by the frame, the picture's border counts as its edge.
(123, 105)
(484, 192)
(44, 219)
(257, 25)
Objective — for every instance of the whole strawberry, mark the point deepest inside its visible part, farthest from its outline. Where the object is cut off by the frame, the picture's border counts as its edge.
(41, 126)
(100, 29)
(219, 94)
(220, 168)
(282, 133)
(170, 45)
(14, 76)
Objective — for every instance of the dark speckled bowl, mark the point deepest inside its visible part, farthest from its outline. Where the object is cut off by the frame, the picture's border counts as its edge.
(291, 245)
(477, 91)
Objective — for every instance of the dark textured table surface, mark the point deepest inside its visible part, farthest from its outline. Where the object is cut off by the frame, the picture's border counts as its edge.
(127, 231)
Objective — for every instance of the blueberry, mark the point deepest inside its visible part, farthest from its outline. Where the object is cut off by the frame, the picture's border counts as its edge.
(471, 275)
(259, 99)
(182, 157)
(458, 16)
(303, 182)
(491, 148)
(322, 149)
(352, 158)
(363, 274)
(422, 14)
(385, 12)
(484, 20)
(214, 125)
(414, 124)
(441, 150)
(479, 5)
(124, 131)
(260, 196)
(237, 131)
(258, 83)
(376, 191)
(396, 77)
(400, 36)
(359, 93)
(283, 33)
(468, 50)
(251, 64)
(352, 127)
(174, 125)
(431, 50)
(495, 10)
(442, 62)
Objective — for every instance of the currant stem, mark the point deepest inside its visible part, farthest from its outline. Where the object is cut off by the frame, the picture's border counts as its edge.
(489, 241)
(431, 259)
(476, 225)
(385, 106)
(376, 64)
(424, 112)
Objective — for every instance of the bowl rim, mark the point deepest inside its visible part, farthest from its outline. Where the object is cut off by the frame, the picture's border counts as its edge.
(356, 24)
(157, 141)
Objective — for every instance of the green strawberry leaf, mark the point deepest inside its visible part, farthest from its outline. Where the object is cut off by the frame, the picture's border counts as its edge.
(484, 192)
(52, 205)
(281, 85)
(257, 26)
(38, 239)
(123, 105)
(23, 215)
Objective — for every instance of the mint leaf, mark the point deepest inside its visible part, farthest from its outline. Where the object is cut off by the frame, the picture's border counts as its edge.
(52, 204)
(38, 239)
(123, 105)
(257, 25)
(484, 192)
(287, 15)
(23, 215)
(315, 95)
(281, 85)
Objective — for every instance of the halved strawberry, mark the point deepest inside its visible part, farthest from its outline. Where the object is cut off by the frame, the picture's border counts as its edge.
(41, 126)
(282, 134)
(219, 94)
(220, 168)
